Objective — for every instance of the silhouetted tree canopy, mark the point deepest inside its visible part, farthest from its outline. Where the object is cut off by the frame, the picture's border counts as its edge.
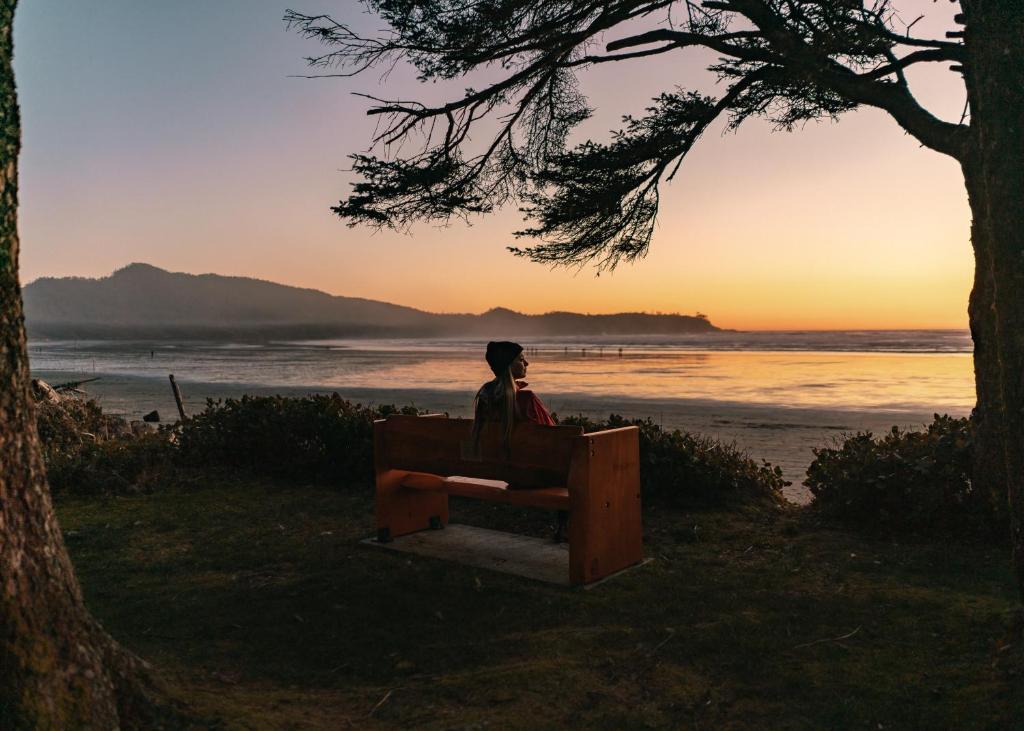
(785, 60)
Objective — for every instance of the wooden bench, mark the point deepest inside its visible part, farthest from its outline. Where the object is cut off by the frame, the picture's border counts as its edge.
(421, 460)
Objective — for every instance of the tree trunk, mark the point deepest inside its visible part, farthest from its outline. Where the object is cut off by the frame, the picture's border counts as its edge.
(58, 668)
(994, 173)
(988, 473)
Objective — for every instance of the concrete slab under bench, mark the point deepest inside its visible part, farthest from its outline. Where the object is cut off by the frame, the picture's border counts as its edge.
(539, 559)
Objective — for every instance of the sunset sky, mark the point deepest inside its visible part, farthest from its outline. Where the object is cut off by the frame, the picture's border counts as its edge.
(171, 133)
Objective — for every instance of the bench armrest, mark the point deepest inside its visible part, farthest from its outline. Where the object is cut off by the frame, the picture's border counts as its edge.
(605, 530)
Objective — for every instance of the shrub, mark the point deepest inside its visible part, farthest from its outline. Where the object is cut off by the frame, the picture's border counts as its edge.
(683, 470)
(329, 439)
(65, 426)
(904, 482)
(87, 451)
(312, 438)
(119, 465)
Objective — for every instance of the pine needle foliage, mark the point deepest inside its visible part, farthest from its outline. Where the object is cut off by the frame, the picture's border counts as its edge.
(593, 202)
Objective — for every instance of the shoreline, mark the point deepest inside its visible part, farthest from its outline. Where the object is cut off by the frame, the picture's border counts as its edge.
(782, 435)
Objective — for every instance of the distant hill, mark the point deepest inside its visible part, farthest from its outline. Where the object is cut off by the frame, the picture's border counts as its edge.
(143, 301)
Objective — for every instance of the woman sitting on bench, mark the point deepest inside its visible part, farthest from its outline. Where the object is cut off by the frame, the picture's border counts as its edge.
(506, 400)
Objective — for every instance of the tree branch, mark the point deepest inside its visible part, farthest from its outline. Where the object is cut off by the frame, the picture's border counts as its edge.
(933, 54)
(682, 39)
(895, 99)
(586, 60)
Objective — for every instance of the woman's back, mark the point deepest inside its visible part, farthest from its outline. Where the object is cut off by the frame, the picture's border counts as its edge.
(526, 407)
(506, 398)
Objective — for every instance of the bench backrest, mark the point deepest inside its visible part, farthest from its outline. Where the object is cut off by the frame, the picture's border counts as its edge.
(538, 456)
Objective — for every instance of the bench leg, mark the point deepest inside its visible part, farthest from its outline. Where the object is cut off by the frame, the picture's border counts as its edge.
(401, 510)
(561, 526)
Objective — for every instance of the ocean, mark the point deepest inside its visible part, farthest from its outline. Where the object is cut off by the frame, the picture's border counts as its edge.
(775, 394)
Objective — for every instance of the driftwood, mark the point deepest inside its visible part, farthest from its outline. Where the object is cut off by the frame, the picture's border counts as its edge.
(177, 397)
(74, 385)
(44, 392)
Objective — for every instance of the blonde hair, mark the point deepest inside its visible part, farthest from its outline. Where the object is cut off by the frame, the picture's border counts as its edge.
(496, 401)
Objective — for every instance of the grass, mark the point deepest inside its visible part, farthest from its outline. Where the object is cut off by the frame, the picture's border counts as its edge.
(261, 611)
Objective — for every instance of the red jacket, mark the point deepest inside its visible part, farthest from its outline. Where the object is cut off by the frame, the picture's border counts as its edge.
(529, 407)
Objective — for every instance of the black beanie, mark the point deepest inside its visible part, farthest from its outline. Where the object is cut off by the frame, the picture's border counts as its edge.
(501, 353)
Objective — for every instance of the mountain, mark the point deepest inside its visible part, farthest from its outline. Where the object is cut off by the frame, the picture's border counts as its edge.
(143, 301)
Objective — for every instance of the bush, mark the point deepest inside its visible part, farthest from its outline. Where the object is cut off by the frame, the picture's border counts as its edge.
(328, 439)
(87, 451)
(683, 470)
(114, 466)
(64, 427)
(905, 482)
(307, 439)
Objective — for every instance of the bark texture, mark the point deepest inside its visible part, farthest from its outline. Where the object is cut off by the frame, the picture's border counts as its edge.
(994, 174)
(989, 450)
(58, 668)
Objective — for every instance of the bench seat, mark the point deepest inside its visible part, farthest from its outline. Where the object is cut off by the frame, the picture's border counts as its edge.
(497, 491)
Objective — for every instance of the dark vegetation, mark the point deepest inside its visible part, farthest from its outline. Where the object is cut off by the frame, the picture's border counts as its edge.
(907, 483)
(89, 452)
(225, 550)
(323, 439)
(903, 483)
(320, 439)
(328, 440)
(682, 470)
